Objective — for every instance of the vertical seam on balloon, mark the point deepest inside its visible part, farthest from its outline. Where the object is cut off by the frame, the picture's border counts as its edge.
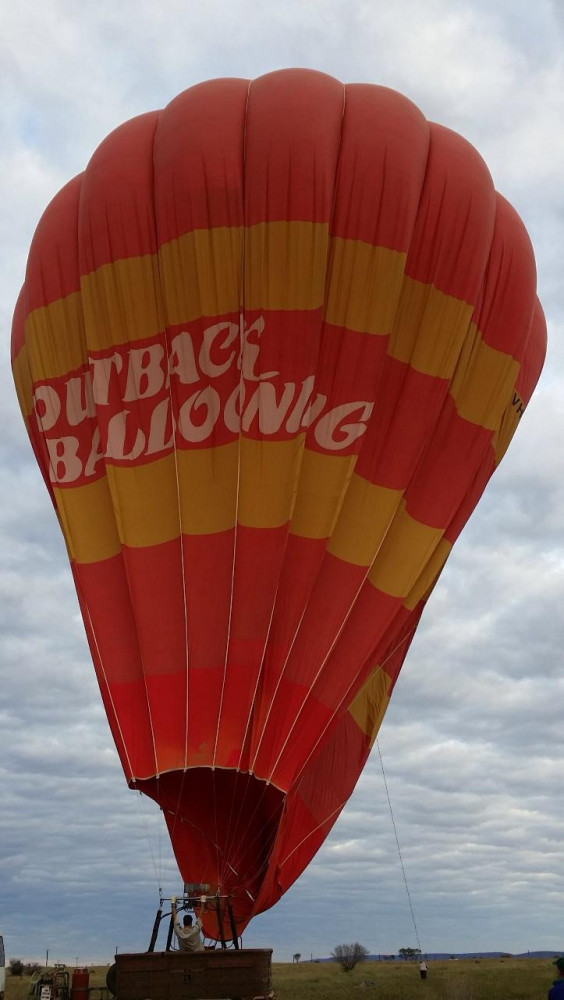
(127, 576)
(331, 222)
(177, 478)
(235, 530)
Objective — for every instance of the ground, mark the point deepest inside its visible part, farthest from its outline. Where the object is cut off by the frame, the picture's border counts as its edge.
(469, 979)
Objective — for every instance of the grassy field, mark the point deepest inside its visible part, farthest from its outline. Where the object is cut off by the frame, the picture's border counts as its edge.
(482, 979)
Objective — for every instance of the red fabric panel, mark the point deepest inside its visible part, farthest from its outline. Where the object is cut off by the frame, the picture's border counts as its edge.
(293, 128)
(198, 159)
(382, 161)
(455, 218)
(52, 266)
(116, 202)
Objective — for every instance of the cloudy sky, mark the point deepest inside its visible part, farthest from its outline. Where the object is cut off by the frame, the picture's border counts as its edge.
(472, 743)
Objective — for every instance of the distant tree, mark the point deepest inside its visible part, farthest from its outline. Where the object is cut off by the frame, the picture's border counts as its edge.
(31, 967)
(410, 953)
(297, 956)
(349, 955)
(16, 967)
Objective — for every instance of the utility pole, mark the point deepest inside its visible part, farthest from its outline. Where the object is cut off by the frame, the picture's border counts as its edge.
(47, 959)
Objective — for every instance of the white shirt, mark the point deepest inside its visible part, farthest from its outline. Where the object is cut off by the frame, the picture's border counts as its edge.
(189, 937)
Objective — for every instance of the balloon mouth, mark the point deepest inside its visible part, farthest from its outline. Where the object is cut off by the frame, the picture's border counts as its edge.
(223, 826)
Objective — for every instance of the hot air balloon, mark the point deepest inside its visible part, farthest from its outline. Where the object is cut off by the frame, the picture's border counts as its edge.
(270, 347)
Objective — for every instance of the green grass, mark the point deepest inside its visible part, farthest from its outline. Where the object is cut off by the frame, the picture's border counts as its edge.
(468, 979)
(484, 979)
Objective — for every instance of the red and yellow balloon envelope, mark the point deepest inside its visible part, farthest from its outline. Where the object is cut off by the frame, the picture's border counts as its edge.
(271, 346)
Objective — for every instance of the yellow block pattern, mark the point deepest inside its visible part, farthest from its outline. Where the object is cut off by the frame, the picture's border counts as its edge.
(285, 265)
(148, 495)
(364, 285)
(406, 550)
(429, 329)
(429, 575)
(55, 338)
(483, 381)
(208, 488)
(366, 515)
(23, 381)
(324, 480)
(201, 274)
(122, 302)
(268, 481)
(88, 521)
(369, 706)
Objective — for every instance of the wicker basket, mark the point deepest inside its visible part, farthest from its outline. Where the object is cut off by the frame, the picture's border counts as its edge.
(201, 975)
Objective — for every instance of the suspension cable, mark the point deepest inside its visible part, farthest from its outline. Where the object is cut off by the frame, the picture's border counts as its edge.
(399, 848)
(150, 842)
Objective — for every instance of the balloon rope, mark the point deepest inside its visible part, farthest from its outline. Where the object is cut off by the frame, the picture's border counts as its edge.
(398, 846)
(325, 820)
(241, 386)
(145, 828)
(249, 844)
(180, 540)
(220, 875)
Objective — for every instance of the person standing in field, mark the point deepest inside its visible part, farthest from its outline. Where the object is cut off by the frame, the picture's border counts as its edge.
(556, 991)
(423, 971)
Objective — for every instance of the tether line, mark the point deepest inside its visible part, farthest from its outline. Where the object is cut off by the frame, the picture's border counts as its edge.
(399, 848)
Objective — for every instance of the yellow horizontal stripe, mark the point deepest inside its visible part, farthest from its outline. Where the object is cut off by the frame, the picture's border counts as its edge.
(483, 381)
(429, 329)
(426, 581)
(194, 492)
(122, 302)
(201, 274)
(88, 522)
(323, 483)
(22, 381)
(145, 499)
(369, 706)
(55, 338)
(363, 522)
(285, 265)
(140, 506)
(268, 481)
(208, 488)
(406, 550)
(363, 287)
